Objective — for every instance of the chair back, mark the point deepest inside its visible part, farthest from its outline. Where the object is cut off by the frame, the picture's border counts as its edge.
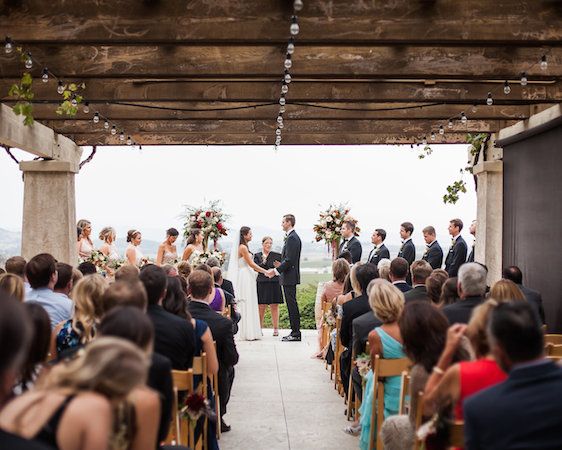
(227, 311)
(418, 418)
(554, 351)
(337, 354)
(555, 339)
(456, 434)
(404, 389)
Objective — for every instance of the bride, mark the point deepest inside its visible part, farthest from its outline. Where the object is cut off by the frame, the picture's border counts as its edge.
(242, 273)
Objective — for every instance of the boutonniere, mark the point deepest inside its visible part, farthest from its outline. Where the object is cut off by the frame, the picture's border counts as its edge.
(285, 238)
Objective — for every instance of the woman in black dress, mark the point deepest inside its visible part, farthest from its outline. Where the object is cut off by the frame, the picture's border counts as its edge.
(269, 289)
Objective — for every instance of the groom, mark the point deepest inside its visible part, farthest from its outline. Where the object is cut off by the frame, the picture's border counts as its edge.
(289, 275)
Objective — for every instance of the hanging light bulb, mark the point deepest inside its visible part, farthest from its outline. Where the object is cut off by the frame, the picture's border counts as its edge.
(129, 140)
(524, 79)
(113, 130)
(288, 62)
(106, 125)
(28, 61)
(281, 125)
(298, 5)
(287, 77)
(278, 131)
(282, 101)
(45, 76)
(473, 109)
(544, 63)
(441, 129)
(278, 140)
(284, 88)
(86, 108)
(506, 87)
(489, 100)
(464, 119)
(294, 26)
(432, 136)
(279, 119)
(121, 136)
(424, 141)
(291, 46)
(8, 45)
(73, 101)
(450, 124)
(281, 109)
(60, 87)
(96, 117)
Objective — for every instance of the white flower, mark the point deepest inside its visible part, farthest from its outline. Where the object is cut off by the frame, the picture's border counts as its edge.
(328, 234)
(329, 219)
(338, 229)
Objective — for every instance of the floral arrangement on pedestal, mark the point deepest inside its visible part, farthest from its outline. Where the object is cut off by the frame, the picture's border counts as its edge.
(328, 228)
(210, 219)
(202, 258)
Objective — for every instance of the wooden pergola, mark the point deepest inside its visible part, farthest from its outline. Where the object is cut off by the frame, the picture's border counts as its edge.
(364, 71)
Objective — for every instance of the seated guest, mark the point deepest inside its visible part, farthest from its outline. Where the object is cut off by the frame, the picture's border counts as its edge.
(225, 285)
(434, 285)
(505, 290)
(229, 298)
(87, 268)
(170, 270)
(433, 252)
(218, 299)
(127, 272)
(384, 269)
(423, 328)
(421, 270)
(76, 277)
(387, 303)
(72, 409)
(15, 336)
(399, 270)
(174, 336)
(346, 256)
(449, 292)
(41, 272)
(122, 293)
(523, 411)
(13, 286)
(514, 274)
(452, 384)
(88, 309)
(16, 266)
(200, 288)
(348, 292)
(471, 285)
(65, 282)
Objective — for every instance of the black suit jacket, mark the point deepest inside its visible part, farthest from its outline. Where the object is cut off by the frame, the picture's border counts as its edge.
(408, 251)
(361, 327)
(174, 337)
(434, 255)
(227, 287)
(354, 247)
(535, 299)
(471, 254)
(416, 293)
(403, 286)
(376, 255)
(461, 311)
(523, 412)
(352, 309)
(289, 270)
(160, 379)
(456, 257)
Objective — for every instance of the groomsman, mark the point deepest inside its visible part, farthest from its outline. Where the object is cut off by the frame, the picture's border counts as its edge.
(433, 252)
(380, 251)
(472, 231)
(350, 242)
(457, 252)
(408, 249)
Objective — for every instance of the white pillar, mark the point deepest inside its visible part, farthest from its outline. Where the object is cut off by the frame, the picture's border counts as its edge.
(49, 210)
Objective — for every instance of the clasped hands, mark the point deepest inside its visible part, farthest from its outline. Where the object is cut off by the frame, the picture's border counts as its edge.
(271, 272)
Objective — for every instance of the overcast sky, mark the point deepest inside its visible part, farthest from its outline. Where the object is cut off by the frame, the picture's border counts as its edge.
(383, 186)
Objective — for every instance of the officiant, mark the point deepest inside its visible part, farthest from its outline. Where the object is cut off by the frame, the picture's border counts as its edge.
(269, 289)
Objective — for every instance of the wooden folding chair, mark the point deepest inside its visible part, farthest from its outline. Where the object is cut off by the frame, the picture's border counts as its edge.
(554, 352)
(418, 444)
(227, 311)
(456, 434)
(404, 388)
(325, 339)
(337, 353)
(180, 430)
(555, 339)
(215, 388)
(382, 368)
(351, 397)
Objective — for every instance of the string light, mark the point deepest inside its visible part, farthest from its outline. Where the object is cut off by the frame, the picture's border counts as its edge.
(284, 88)
(96, 117)
(524, 79)
(450, 124)
(281, 109)
(298, 5)
(113, 130)
(424, 141)
(278, 132)
(129, 141)
(121, 136)
(279, 118)
(441, 130)
(45, 76)
(294, 29)
(106, 125)
(506, 88)
(288, 62)
(432, 136)
(8, 45)
(74, 101)
(464, 119)
(28, 61)
(291, 46)
(86, 108)
(281, 125)
(544, 63)
(282, 101)
(60, 87)
(489, 100)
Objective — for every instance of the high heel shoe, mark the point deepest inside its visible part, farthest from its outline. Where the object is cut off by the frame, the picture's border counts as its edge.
(275, 333)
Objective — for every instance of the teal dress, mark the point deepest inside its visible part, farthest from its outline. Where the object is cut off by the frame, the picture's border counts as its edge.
(391, 349)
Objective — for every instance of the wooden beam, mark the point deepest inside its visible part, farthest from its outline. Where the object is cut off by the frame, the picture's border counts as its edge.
(501, 21)
(457, 62)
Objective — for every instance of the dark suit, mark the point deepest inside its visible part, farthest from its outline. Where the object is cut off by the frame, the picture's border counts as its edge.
(408, 251)
(456, 257)
(174, 337)
(160, 379)
(361, 327)
(402, 286)
(227, 287)
(416, 293)
(460, 311)
(353, 246)
(523, 412)
(471, 255)
(289, 277)
(434, 255)
(377, 254)
(534, 298)
(221, 329)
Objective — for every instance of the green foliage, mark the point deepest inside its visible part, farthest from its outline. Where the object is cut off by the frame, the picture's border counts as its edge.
(476, 141)
(426, 151)
(71, 99)
(306, 297)
(23, 93)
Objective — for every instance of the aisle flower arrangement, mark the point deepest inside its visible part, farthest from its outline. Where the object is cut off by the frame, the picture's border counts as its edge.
(328, 228)
(196, 406)
(210, 219)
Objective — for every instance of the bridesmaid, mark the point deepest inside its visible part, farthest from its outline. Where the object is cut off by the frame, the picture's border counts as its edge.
(85, 244)
(194, 246)
(133, 254)
(167, 253)
(269, 289)
(107, 235)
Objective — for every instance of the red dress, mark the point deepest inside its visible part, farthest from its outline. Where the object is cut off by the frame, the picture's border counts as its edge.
(475, 376)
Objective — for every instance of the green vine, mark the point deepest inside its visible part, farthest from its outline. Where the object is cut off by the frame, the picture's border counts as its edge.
(24, 95)
(71, 99)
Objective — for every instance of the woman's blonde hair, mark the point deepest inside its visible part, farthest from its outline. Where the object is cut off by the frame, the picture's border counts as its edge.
(13, 285)
(106, 232)
(110, 366)
(265, 238)
(83, 223)
(88, 306)
(387, 302)
(506, 290)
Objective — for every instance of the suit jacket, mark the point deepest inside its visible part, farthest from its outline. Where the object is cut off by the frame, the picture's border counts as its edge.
(403, 286)
(361, 327)
(408, 251)
(471, 255)
(221, 329)
(534, 298)
(376, 255)
(160, 379)
(416, 293)
(456, 257)
(434, 255)
(522, 412)
(234, 315)
(174, 337)
(460, 311)
(227, 287)
(354, 247)
(268, 264)
(289, 270)
(352, 309)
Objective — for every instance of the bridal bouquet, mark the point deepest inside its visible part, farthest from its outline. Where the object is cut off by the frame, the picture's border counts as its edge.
(210, 219)
(203, 257)
(328, 228)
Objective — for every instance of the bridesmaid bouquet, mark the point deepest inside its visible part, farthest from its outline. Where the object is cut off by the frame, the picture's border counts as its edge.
(203, 257)
(210, 219)
(328, 228)
(99, 260)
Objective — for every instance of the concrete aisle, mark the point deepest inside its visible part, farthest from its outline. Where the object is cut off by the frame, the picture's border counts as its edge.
(283, 399)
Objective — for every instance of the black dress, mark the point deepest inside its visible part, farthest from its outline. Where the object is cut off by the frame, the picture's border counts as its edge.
(269, 289)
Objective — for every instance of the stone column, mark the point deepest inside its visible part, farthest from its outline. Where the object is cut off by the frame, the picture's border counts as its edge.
(49, 210)
(489, 215)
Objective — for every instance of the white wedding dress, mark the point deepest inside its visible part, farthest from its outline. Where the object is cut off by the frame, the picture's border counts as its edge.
(249, 328)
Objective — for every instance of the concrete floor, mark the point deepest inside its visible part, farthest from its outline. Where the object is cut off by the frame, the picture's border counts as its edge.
(283, 399)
